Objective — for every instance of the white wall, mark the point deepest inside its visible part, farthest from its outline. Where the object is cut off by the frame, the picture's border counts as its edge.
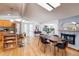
(54, 25)
(18, 27)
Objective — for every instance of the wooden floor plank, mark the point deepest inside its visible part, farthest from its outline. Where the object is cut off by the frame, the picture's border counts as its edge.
(33, 49)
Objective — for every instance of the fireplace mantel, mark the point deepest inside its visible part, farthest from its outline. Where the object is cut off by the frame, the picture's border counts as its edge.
(76, 45)
(68, 31)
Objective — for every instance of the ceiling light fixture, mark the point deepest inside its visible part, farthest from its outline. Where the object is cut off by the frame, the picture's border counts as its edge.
(74, 23)
(55, 5)
(23, 20)
(44, 5)
(9, 14)
(49, 6)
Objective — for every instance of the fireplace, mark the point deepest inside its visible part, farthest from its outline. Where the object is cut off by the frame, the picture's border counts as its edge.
(70, 38)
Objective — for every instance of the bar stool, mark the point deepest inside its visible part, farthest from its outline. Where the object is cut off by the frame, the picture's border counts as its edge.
(53, 41)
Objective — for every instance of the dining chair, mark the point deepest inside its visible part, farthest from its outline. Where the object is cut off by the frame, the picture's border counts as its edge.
(20, 40)
(44, 42)
(53, 41)
(62, 46)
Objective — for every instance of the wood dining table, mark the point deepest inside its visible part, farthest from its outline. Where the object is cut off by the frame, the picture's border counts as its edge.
(53, 41)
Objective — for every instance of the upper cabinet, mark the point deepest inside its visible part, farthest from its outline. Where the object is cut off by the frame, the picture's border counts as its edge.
(6, 23)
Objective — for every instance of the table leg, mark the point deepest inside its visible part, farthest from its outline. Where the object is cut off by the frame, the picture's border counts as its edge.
(54, 51)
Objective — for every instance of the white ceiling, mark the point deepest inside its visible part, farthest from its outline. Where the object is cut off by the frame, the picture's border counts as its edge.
(36, 13)
(17, 7)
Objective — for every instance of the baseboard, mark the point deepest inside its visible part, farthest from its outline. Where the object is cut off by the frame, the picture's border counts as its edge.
(73, 49)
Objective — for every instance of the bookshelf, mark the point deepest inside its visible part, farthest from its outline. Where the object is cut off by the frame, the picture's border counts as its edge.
(10, 41)
(1, 40)
(8, 38)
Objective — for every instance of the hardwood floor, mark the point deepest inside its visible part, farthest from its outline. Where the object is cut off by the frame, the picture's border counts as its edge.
(34, 48)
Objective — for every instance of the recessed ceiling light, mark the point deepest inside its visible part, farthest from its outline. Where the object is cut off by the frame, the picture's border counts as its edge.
(9, 14)
(23, 20)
